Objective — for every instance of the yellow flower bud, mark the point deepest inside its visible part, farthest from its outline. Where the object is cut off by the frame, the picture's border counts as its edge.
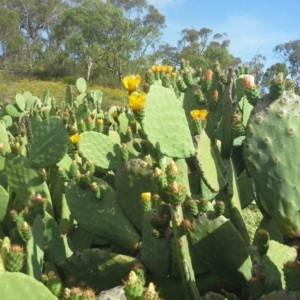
(132, 82)
(198, 114)
(146, 197)
(99, 121)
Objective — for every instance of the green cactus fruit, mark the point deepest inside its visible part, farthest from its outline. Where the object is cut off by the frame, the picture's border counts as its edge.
(133, 287)
(277, 87)
(12, 283)
(255, 287)
(15, 258)
(219, 208)
(219, 247)
(271, 162)
(291, 270)
(100, 269)
(103, 218)
(271, 227)
(162, 107)
(187, 76)
(150, 293)
(54, 284)
(262, 239)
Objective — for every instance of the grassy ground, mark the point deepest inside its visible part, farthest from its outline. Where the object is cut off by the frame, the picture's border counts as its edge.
(9, 87)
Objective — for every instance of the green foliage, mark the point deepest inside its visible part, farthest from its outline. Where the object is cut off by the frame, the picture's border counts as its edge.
(94, 198)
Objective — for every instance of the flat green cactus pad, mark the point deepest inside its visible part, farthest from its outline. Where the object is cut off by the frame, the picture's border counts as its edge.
(50, 143)
(25, 180)
(4, 203)
(207, 163)
(165, 124)
(19, 286)
(101, 150)
(103, 217)
(100, 269)
(271, 153)
(132, 179)
(220, 248)
(156, 252)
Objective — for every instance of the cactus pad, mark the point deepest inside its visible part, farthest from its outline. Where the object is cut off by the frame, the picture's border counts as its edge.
(165, 124)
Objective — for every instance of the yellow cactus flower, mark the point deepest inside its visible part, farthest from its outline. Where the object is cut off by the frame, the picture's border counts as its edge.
(137, 101)
(198, 114)
(146, 197)
(167, 69)
(174, 75)
(132, 82)
(75, 139)
(114, 114)
(99, 121)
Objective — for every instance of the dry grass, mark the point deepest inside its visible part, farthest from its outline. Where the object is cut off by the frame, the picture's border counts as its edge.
(9, 87)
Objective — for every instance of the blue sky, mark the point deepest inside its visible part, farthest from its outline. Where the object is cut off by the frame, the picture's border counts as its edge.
(252, 26)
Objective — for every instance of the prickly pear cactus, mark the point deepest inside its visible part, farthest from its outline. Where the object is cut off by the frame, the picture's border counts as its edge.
(271, 152)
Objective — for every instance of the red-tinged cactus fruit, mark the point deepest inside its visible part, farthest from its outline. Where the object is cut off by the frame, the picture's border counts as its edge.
(166, 80)
(256, 287)
(74, 168)
(75, 292)
(177, 193)
(198, 95)
(13, 214)
(290, 85)
(203, 205)
(124, 152)
(208, 75)
(54, 284)
(62, 173)
(159, 222)
(149, 77)
(133, 287)
(96, 190)
(28, 215)
(15, 258)
(187, 76)
(277, 86)
(192, 207)
(249, 82)
(181, 85)
(128, 134)
(262, 238)
(160, 179)
(88, 294)
(173, 173)
(26, 231)
(291, 272)
(219, 208)
(140, 271)
(185, 226)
